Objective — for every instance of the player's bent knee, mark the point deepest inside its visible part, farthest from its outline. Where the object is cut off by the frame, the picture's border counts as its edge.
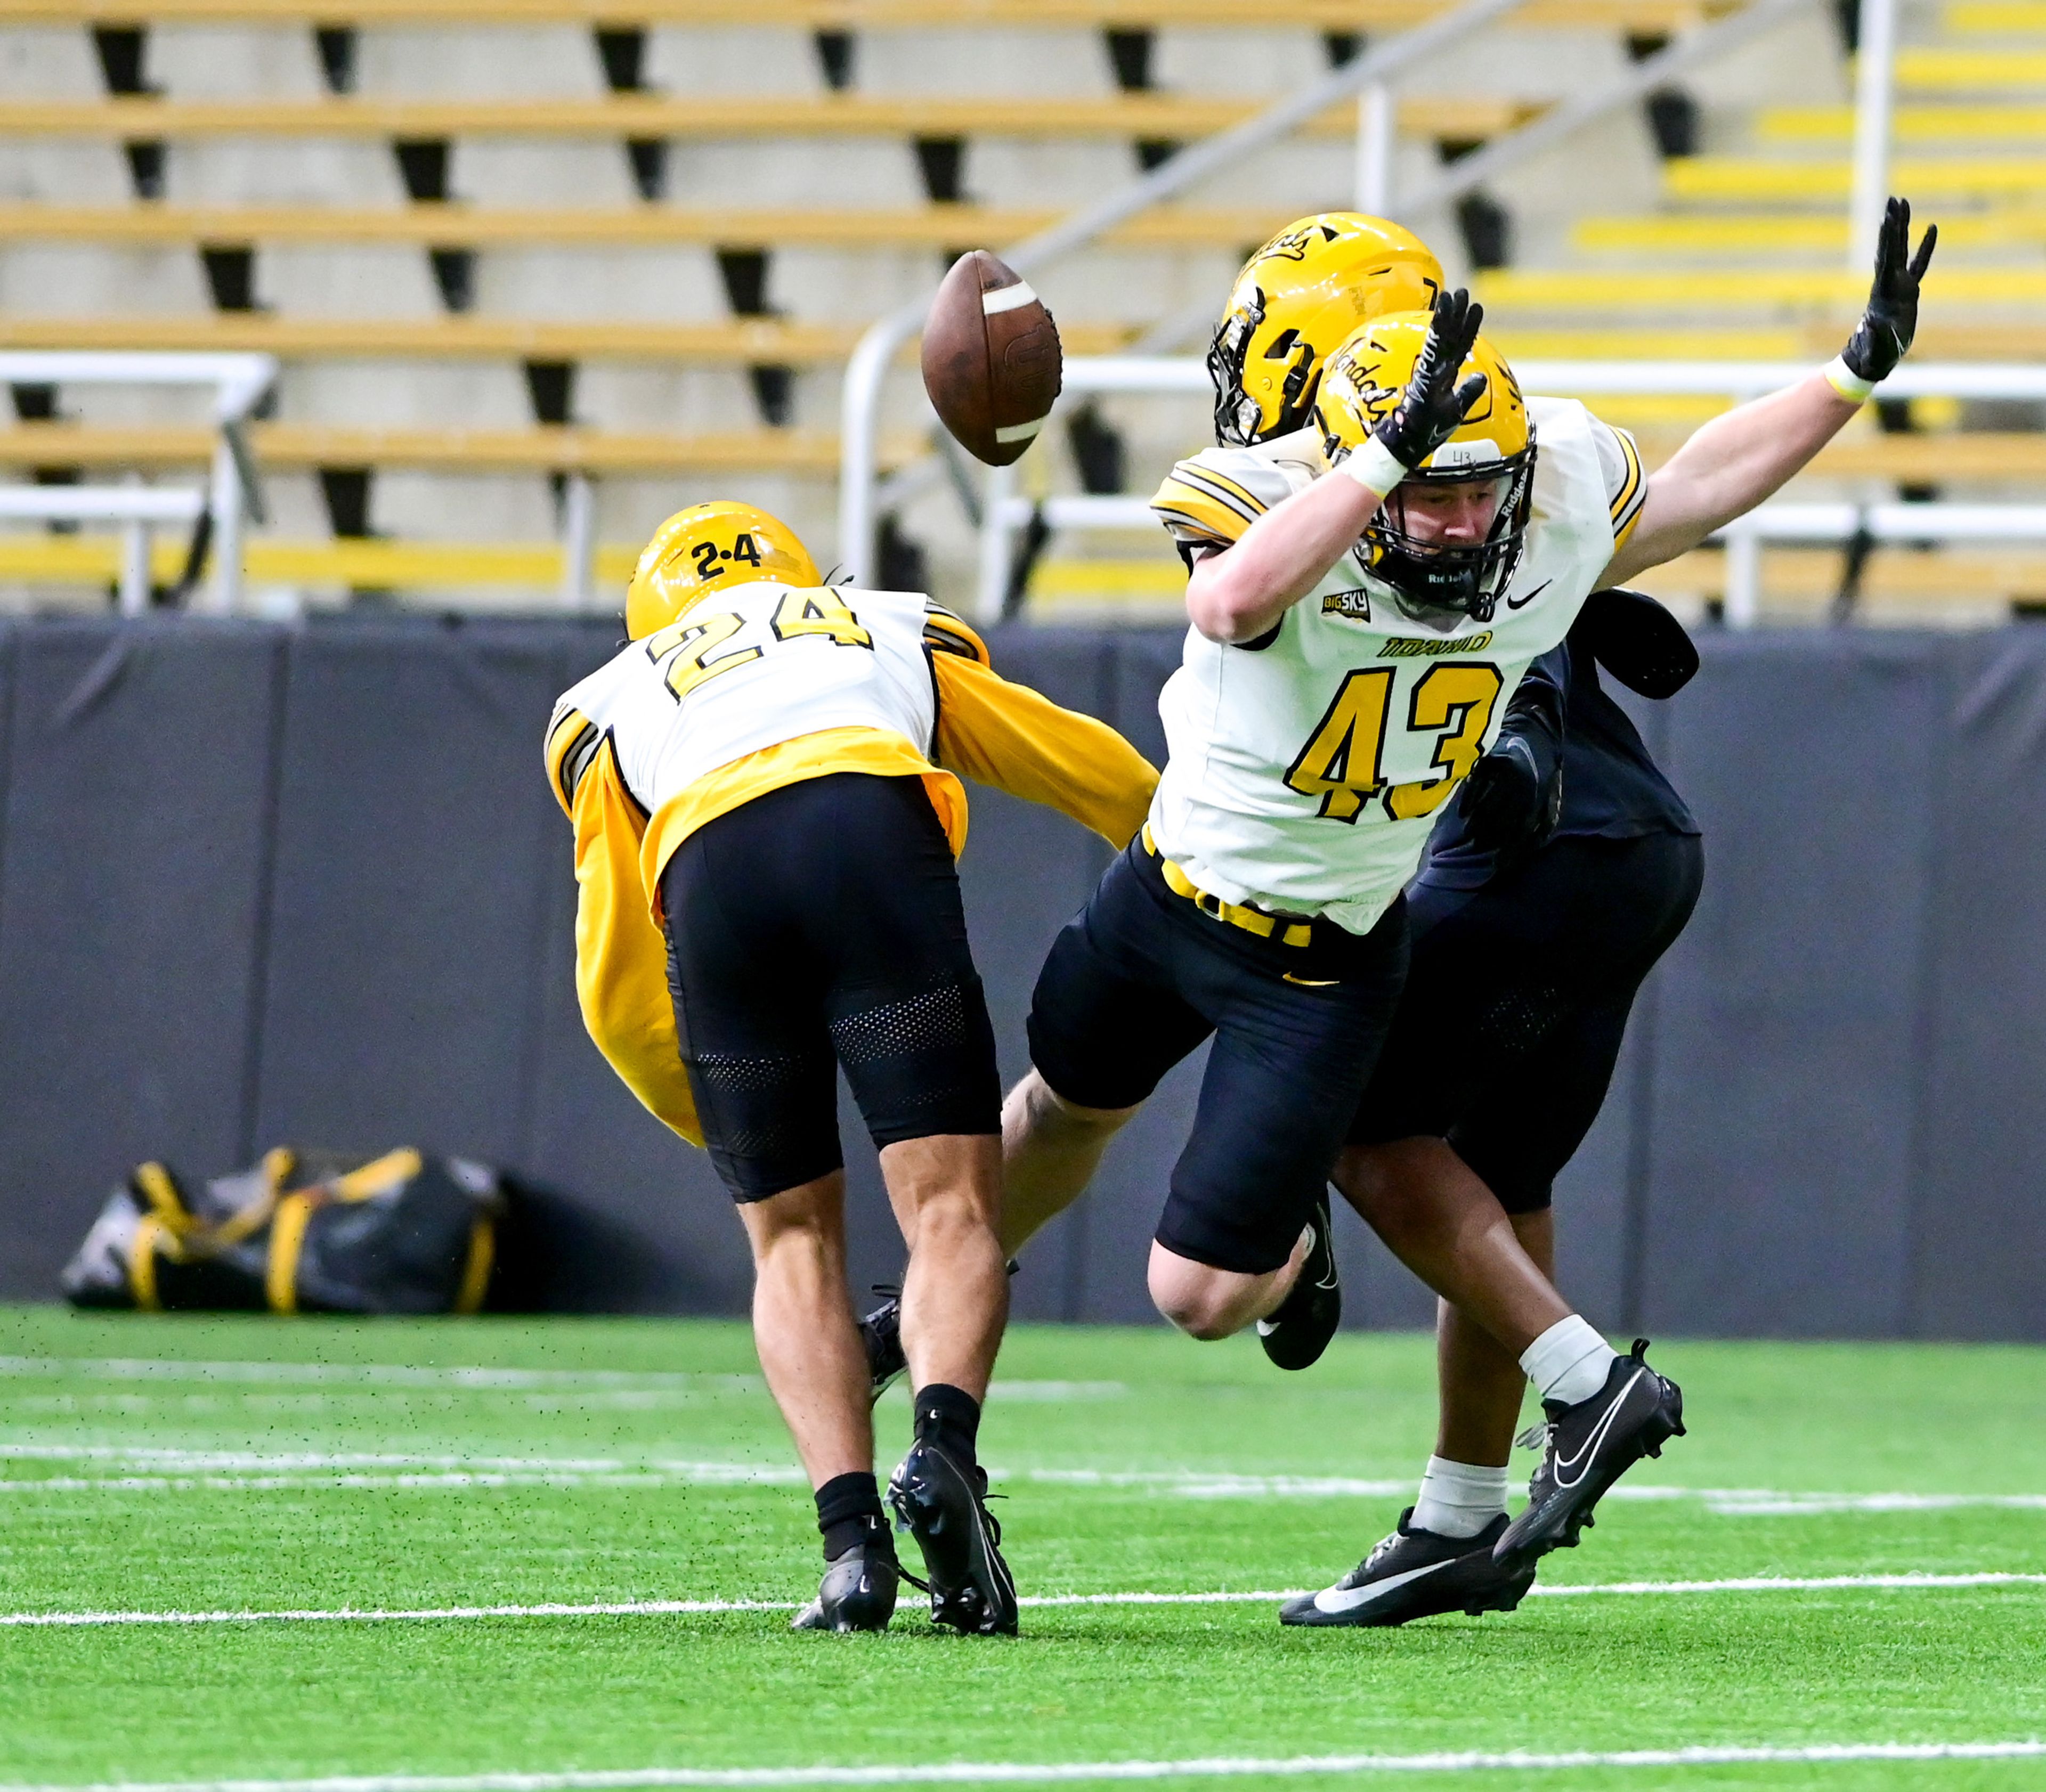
(1206, 1303)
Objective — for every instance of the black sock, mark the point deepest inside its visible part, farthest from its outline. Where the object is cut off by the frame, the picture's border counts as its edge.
(849, 1513)
(949, 1417)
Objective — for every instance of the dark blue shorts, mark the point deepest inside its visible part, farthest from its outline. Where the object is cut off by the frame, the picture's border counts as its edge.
(1140, 976)
(1517, 1000)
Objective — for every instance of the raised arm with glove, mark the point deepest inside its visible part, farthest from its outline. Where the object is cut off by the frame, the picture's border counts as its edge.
(1735, 461)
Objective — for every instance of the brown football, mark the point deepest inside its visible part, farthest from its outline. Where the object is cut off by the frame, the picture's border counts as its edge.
(992, 363)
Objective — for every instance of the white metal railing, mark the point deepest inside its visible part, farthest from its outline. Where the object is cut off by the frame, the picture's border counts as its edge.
(1875, 79)
(1003, 513)
(232, 493)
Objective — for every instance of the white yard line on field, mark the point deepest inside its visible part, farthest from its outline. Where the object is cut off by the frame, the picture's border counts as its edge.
(972, 1773)
(480, 1380)
(149, 1468)
(665, 1608)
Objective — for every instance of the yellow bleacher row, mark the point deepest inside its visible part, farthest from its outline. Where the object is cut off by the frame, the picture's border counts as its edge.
(933, 227)
(774, 341)
(1742, 180)
(1996, 18)
(1908, 124)
(1976, 457)
(870, 15)
(936, 226)
(1767, 232)
(542, 448)
(1166, 116)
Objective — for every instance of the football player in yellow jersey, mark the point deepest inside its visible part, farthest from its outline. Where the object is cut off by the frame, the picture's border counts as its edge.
(767, 810)
(1429, 506)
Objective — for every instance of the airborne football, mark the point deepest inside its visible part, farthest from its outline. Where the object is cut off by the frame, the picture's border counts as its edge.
(1023, 895)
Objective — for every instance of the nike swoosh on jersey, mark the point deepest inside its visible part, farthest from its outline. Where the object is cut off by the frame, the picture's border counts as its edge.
(1311, 982)
(1522, 602)
(1348, 1598)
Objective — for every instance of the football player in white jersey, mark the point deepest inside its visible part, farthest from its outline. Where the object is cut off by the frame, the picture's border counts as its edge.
(766, 815)
(1440, 544)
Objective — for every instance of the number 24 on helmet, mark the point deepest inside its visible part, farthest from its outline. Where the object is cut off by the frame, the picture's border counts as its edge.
(708, 548)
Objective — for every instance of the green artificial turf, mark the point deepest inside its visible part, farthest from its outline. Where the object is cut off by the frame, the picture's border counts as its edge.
(178, 1464)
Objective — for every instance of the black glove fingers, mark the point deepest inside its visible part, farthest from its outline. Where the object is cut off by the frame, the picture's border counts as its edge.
(1468, 394)
(1920, 261)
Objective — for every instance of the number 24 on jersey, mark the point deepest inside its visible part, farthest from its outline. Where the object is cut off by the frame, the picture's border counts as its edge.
(691, 646)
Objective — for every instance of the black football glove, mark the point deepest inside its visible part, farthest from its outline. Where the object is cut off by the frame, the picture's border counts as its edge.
(1636, 640)
(1883, 334)
(1513, 798)
(1434, 404)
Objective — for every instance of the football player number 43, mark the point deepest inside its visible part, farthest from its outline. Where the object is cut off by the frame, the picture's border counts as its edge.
(1339, 764)
(692, 646)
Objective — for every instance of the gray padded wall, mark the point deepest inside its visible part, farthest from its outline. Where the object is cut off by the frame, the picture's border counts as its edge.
(137, 827)
(260, 882)
(1978, 1164)
(1781, 1122)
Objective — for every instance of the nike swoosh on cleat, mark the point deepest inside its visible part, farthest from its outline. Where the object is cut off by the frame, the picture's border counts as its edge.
(1348, 1598)
(1589, 1447)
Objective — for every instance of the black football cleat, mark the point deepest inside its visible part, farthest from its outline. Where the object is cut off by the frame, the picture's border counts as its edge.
(1416, 1574)
(858, 1591)
(1586, 1448)
(881, 1331)
(1298, 1329)
(941, 1506)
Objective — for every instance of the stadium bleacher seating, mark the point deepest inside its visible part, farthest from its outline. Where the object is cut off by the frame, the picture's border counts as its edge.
(496, 241)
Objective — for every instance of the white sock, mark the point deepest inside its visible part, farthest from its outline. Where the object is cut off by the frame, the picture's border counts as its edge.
(1458, 1499)
(1569, 1361)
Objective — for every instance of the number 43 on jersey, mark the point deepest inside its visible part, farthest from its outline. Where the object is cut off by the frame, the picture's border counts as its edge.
(1341, 763)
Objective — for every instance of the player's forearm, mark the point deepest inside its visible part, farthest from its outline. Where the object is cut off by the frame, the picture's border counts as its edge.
(1728, 467)
(1282, 555)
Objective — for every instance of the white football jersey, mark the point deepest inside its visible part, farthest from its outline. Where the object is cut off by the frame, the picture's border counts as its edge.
(751, 668)
(1305, 771)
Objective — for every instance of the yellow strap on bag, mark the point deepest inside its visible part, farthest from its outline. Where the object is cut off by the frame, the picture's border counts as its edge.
(288, 1239)
(378, 1177)
(476, 1272)
(142, 1262)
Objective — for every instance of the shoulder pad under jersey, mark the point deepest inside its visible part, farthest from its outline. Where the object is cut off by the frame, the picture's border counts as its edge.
(944, 633)
(1213, 496)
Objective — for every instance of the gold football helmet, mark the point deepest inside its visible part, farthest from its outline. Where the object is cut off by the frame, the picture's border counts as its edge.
(1295, 300)
(708, 547)
(1494, 443)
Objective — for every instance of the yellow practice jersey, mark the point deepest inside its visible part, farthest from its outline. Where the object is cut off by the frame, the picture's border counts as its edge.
(778, 685)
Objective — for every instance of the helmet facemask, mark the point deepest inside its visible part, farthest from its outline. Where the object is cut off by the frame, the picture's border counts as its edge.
(1433, 579)
(1239, 419)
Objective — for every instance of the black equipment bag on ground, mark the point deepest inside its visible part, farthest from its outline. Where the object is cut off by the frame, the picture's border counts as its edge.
(302, 1232)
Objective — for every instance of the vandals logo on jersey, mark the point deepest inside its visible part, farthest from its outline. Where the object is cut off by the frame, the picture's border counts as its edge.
(1431, 646)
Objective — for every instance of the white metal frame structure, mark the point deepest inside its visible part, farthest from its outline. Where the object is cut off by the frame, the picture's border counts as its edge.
(232, 494)
(1003, 513)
